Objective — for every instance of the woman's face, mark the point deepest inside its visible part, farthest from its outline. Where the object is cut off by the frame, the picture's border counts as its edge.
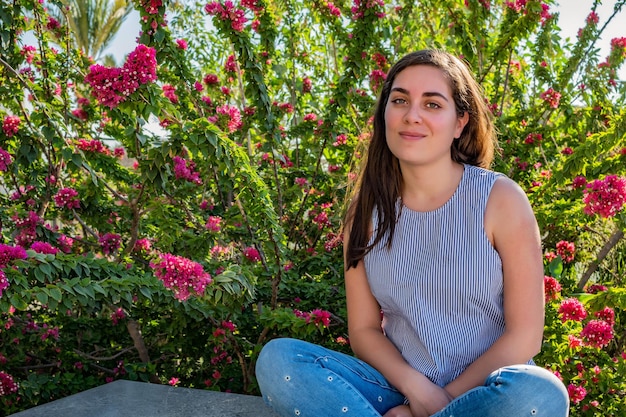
(421, 119)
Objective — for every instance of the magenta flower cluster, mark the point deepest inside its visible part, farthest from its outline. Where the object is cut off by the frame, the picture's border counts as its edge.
(552, 288)
(317, 316)
(10, 253)
(186, 170)
(5, 160)
(4, 282)
(68, 198)
(112, 85)
(232, 116)
(92, 145)
(44, 247)
(181, 275)
(597, 333)
(10, 125)
(110, 243)
(605, 197)
(228, 13)
(7, 384)
(359, 7)
(214, 223)
(252, 254)
(572, 309)
(566, 250)
(551, 97)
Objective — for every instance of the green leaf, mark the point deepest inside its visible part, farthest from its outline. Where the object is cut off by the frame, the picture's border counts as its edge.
(18, 302)
(55, 293)
(42, 297)
(146, 292)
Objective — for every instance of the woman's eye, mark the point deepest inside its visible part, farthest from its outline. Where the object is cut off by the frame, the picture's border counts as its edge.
(433, 105)
(398, 101)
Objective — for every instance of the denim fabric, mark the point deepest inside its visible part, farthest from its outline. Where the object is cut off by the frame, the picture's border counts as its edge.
(298, 378)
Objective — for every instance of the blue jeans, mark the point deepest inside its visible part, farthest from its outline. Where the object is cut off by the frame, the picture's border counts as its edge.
(298, 378)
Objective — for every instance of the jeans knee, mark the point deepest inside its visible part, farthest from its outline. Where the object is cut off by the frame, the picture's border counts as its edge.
(275, 356)
(538, 384)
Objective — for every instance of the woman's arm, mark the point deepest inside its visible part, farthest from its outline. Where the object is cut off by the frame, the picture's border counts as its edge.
(370, 344)
(512, 228)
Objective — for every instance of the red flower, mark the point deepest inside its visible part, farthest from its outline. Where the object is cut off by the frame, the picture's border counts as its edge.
(572, 309)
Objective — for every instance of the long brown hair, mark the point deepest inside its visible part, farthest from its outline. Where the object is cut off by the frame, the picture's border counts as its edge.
(380, 184)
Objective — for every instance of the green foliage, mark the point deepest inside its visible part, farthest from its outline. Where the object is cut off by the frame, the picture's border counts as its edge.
(235, 162)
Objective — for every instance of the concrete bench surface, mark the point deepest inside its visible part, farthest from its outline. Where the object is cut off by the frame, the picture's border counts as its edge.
(138, 399)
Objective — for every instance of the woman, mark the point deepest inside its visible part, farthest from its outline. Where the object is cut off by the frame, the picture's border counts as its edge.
(450, 254)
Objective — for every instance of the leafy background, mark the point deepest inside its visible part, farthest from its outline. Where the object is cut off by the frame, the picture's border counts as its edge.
(167, 213)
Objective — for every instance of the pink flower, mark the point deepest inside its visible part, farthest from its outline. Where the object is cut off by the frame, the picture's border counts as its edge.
(65, 243)
(596, 288)
(142, 245)
(211, 79)
(533, 138)
(607, 314)
(597, 333)
(572, 309)
(10, 125)
(7, 384)
(5, 160)
(574, 342)
(552, 97)
(184, 169)
(593, 18)
(566, 250)
(10, 253)
(152, 6)
(44, 247)
(181, 275)
(579, 182)
(319, 316)
(118, 315)
(68, 198)
(231, 64)
(576, 393)
(605, 197)
(307, 85)
(110, 243)
(182, 44)
(377, 77)
(169, 91)
(341, 140)
(112, 85)
(252, 254)
(551, 288)
(228, 13)
(92, 145)
(4, 284)
(174, 381)
(310, 117)
(214, 223)
(233, 117)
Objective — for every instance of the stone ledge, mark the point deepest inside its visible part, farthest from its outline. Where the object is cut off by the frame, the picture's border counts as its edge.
(139, 399)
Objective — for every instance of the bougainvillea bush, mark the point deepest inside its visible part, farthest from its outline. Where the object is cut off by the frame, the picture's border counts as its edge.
(164, 218)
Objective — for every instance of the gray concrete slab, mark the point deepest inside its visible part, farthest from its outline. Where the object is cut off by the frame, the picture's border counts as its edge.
(138, 399)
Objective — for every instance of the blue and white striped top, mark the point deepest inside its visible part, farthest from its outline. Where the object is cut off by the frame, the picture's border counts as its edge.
(440, 285)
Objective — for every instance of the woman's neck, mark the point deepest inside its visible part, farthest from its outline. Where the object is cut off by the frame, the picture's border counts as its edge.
(426, 188)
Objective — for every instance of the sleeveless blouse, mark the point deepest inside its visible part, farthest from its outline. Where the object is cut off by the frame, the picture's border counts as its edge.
(440, 284)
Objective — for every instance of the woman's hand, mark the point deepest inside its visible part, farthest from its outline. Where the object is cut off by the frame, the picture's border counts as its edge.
(425, 399)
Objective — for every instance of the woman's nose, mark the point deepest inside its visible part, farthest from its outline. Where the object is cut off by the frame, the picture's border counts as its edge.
(413, 115)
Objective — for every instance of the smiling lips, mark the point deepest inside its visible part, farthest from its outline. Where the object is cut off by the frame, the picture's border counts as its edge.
(411, 135)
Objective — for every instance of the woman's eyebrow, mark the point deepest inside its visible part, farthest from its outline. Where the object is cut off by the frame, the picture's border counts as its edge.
(426, 94)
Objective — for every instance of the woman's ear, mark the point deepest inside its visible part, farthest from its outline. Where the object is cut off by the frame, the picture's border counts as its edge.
(461, 122)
